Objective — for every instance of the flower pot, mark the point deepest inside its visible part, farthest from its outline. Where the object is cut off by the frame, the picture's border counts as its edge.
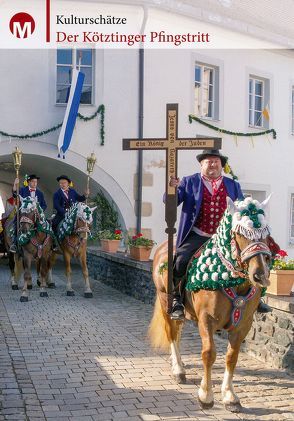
(281, 282)
(111, 246)
(140, 253)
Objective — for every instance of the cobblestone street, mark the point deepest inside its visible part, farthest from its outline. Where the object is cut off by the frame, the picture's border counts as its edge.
(71, 358)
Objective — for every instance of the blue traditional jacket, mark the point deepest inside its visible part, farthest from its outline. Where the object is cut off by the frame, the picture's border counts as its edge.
(190, 193)
(61, 203)
(25, 192)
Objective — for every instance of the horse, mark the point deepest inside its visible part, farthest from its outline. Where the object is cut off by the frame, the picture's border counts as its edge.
(224, 287)
(35, 242)
(72, 235)
(14, 260)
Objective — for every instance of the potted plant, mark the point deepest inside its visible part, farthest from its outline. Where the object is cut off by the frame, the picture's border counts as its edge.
(140, 247)
(282, 275)
(110, 240)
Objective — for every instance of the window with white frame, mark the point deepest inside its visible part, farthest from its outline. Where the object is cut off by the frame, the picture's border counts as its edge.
(291, 233)
(292, 111)
(206, 91)
(67, 60)
(258, 102)
(259, 195)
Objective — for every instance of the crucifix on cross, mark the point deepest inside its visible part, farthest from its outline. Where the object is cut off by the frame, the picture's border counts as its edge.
(171, 144)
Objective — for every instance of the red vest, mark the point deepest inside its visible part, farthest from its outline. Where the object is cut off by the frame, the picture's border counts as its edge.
(212, 209)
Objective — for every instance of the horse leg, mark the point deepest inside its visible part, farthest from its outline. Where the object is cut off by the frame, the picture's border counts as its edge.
(27, 261)
(43, 274)
(51, 261)
(230, 399)
(165, 334)
(205, 393)
(12, 265)
(69, 290)
(83, 259)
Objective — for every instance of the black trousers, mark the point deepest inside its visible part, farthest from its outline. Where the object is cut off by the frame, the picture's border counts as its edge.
(184, 253)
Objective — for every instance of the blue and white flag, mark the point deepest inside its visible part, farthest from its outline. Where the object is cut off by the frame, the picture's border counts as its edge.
(71, 112)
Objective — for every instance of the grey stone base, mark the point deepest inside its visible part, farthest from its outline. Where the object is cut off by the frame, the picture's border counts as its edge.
(271, 338)
(123, 273)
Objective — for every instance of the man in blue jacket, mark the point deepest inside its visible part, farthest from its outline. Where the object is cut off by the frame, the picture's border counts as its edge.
(64, 198)
(203, 196)
(26, 191)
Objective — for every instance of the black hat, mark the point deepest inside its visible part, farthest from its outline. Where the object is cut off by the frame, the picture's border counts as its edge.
(63, 177)
(212, 152)
(32, 177)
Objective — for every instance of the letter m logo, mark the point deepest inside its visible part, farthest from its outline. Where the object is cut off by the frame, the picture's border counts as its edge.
(22, 25)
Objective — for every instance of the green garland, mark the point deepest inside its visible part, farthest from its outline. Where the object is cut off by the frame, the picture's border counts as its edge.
(100, 110)
(42, 225)
(208, 271)
(238, 134)
(66, 226)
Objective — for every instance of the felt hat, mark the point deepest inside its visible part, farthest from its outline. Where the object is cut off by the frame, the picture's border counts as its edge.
(212, 152)
(63, 177)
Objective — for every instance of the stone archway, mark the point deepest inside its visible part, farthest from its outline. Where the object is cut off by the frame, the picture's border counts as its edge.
(41, 158)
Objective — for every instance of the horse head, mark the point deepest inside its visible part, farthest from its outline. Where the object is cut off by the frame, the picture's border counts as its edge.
(84, 220)
(28, 213)
(249, 244)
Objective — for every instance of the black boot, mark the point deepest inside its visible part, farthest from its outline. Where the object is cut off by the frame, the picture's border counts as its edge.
(263, 308)
(178, 309)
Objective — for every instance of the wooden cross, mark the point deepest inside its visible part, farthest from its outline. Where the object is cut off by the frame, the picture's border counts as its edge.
(171, 144)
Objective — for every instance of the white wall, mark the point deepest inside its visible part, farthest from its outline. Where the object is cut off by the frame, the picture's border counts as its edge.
(27, 86)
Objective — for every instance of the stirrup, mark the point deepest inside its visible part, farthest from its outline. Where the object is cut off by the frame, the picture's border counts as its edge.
(177, 312)
(13, 249)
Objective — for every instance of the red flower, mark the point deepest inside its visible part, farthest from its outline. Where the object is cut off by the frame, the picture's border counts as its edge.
(140, 235)
(134, 237)
(118, 232)
(282, 253)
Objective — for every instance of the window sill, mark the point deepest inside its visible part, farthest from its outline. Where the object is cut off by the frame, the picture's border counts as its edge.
(258, 127)
(208, 118)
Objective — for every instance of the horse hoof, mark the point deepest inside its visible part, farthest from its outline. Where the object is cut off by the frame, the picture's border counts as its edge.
(52, 285)
(180, 378)
(43, 294)
(24, 299)
(70, 293)
(88, 294)
(234, 407)
(30, 286)
(14, 287)
(205, 405)
(38, 282)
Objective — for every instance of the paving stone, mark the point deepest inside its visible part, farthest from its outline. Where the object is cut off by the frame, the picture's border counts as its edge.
(72, 359)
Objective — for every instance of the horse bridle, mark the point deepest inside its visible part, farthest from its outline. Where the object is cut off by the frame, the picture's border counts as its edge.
(77, 231)
(255, 248)
(25, 219)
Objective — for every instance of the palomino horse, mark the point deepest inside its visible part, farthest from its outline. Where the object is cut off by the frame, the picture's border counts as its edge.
(35, 241)
(72, 235)
(223, 291)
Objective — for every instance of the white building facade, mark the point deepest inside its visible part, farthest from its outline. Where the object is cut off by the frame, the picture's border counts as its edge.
(239, 90)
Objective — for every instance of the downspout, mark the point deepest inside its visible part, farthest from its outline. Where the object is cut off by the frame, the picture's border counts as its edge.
(141, 124)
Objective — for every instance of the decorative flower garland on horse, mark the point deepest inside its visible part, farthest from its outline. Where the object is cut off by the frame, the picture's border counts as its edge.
(225, 282)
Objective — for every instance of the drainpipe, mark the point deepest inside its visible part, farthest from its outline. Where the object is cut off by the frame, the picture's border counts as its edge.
(141, 124)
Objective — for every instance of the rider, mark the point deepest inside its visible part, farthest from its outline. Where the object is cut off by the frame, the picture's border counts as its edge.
(64, 198)
(28, 190)
(204, 202)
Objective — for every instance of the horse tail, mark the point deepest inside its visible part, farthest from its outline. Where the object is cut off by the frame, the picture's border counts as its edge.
(162, 329)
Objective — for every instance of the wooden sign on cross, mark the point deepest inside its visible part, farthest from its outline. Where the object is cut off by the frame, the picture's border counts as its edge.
(171, 144)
